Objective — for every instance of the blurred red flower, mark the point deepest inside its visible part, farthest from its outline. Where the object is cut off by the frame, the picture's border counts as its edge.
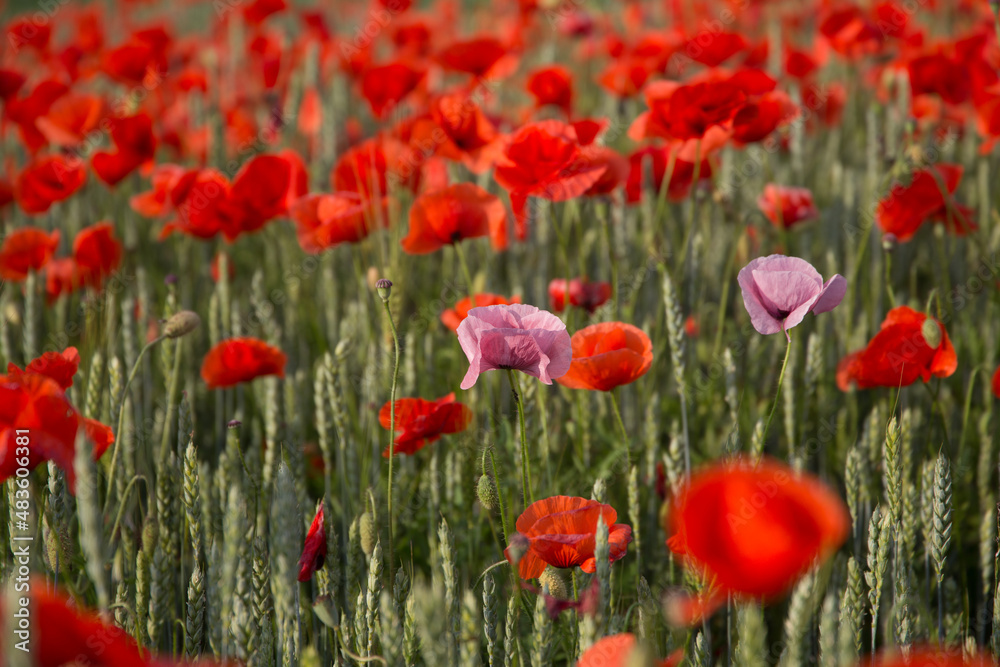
(46, 181)
(752, 530)
(785, 206)
(927, 197)
(326, 220)
(420, 422)
(460, 211)
(582, 293)
(385, 86)
(135, 145)
(552, 85)
(909, 346)
(26, 249)
(608, 355)
(238, 360)
(314, 549)
(96, 254)
(58, 366)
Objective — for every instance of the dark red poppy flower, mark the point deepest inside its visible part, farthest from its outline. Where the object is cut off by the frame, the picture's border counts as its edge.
(25, 110)
(314, 549)
(258, 10)
(385, 86)
(265, 187)
(460, 211)
(61, 277)
(616, 169)
(58, 366)
(582, 293)
(995, 384)
(608, 355)
(326, 220)
(482, 57)
(452, 317)
(28, 31)
(717, 49)
(909, 346)
(24, 250)
(761, 116)
(47, 181)
(97, 254)
(135, 145)
(197, 198)
(938, 74)
(785, 206)
(552, 85)
(560, 531)
(588, 129)
(850, 31)
(371, 166)
(681, 176)
(690, 111)
(157, 202)
(543, 160)
(800, 64)
(927, 197)
(752, 530)
(70, 119)
(420, 422)
(626, 77)
(10, 83)
(241, 360)
(932, 656)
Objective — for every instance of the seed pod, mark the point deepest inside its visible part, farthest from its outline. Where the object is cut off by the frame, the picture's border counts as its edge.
(486, 489)
(181, 324)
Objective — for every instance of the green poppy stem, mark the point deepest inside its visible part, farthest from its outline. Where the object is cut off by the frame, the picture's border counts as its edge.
(525, 470)
(392, 421)
(621, 427)
(777, 394)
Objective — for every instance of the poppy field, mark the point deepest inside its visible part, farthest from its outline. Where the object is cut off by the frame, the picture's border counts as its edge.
(535, 333)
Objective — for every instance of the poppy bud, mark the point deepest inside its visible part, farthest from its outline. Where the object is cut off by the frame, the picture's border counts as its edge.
(181, 324)
(518, 546)
(235, 423)
(367, 533)
(931, 332)
(384, 288)
(486, 489)
(553, 579)
(170, 279)
(889, 242)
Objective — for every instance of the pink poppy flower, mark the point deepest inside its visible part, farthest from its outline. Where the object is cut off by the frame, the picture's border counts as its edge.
(778, 291)
(515, 336)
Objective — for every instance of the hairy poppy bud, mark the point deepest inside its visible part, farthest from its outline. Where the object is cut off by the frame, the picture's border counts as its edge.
(181, 324)
(235, 423)
(931, 332)
(384, 288)
(367, 533)
(486, 489)
(889, 242)
(553, 579)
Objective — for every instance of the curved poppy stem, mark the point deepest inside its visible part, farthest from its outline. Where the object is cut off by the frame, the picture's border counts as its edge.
(525, 471)
(621, 427)
(777, 394)
(392, 421)
(121, 417)
(503, 512)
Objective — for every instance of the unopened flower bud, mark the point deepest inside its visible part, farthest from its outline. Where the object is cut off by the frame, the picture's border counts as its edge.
(889, 242)
(235, 423)
(553, 579)
(367, 533)
(931, 332)
(486, 489)
(181, 324)
(384, 288)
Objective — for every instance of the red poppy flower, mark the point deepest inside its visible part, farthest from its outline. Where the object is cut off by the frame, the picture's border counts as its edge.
(326, 220)
(310, 112)
(995, 384)
(67, 635)
(97, 254)
(620, 651)
(482, 57)
(459, 130)
(940, 75)
(25, 110)
(552, 85)
(197, 198)
(420, 422)
(258, 10)
(135, 145)
(759, 117)
(28, 31)
(927, 197)
(61, 277)
(385, 86)
(156, 202)
(932, 656)
(70, 119)
(24, 250)
(452, 317)
(10, 83)
(37, 403)
(588, 129)
(314, 548)
(241, 360)
(371, 166)
(625, 77)
(718, 48)
(681, 177)
(47, 181)
(265, 188)
(690, 111)
(850, 32)
(908, 346)
(582, 293)
(543, 160)
(753, 530)
(58, 366)
(616, 169)
(608, 355)
(461, 211)
(560, 531)
(786, 207)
